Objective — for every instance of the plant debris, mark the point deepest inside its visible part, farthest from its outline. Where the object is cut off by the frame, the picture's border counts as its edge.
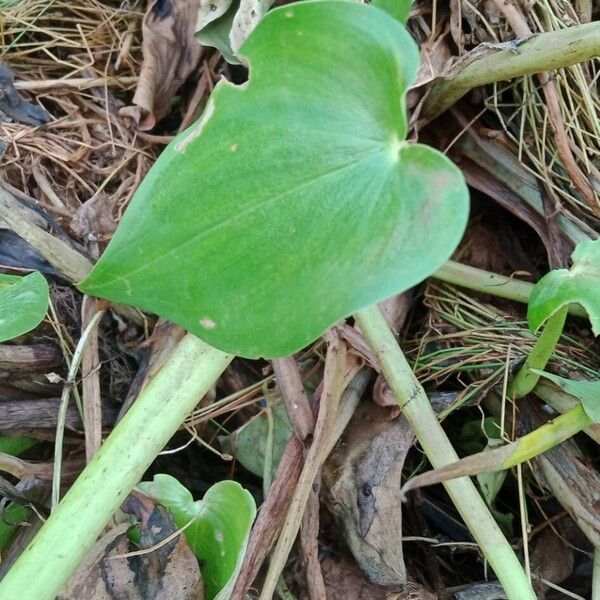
(90, 94)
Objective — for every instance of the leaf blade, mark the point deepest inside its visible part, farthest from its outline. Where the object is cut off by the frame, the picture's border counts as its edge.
(220, 530)
(321, 209)
(23, 304)
(578, 285)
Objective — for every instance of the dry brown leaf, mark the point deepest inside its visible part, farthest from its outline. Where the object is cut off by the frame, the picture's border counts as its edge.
(344, 581)
(363, 482)
(15, 108)
(171, 53)
(167, 572)
(551, 560)
(95, 219)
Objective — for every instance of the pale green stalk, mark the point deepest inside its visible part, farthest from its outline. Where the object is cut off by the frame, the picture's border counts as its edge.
(64, 404)
(596, 576)
(500, 62)
(415, 406)
(562, 402)
(525, 379)
(543, 438)
(533, 444)
(484, 281)
(61, 544)
(493, 284)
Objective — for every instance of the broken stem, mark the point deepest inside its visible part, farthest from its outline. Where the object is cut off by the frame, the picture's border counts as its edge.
(529, 446)
(72, 529)
(415, 406)
(540, 52)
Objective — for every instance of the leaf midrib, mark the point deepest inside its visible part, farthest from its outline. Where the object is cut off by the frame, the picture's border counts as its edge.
(147, 265)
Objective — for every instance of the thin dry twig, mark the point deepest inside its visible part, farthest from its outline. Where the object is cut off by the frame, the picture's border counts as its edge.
(90, 381)
(309, 539)
(294, 397)
(519, 25)
(335, 369)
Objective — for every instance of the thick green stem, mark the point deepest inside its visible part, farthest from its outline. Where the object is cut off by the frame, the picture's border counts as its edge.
(484, 281)
(415, 406)
(59, 547)
(492, 284)
(501, 62)
(525, 379)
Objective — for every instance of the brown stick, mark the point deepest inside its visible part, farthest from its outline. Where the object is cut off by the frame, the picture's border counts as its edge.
(275, 508)
(38, 358)
(294, 397)
(303, 422)
(22, 469)
(333, 388)
(90, 382)
(26, 414)
(271, 516)
(309, 539)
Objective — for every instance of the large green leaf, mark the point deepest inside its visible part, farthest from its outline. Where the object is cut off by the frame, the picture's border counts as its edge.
(399, 9)
(220, 529)
(580, 284)
(294, 201)
(23, 304)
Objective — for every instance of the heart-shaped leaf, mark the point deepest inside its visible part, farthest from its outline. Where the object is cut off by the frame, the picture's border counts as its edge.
(23, 304)
(220, 529)
(294, 201)
(588, 392)
(580, 284)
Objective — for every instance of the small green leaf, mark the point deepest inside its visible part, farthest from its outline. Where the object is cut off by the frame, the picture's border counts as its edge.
(12, 515)
(588, 392)
(248, 443)
(580, 284)
(15, 445)
(220, 531)
(294, 201)
(23, 304)
(399, 9)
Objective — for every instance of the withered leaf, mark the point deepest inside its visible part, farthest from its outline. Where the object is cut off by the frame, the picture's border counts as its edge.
(169, 571)
(171, 53)
(363, 480)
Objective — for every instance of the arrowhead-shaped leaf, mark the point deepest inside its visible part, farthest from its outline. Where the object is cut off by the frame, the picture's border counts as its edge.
(220, 530)
(23, 304)
(580, 284)
(295, 200)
